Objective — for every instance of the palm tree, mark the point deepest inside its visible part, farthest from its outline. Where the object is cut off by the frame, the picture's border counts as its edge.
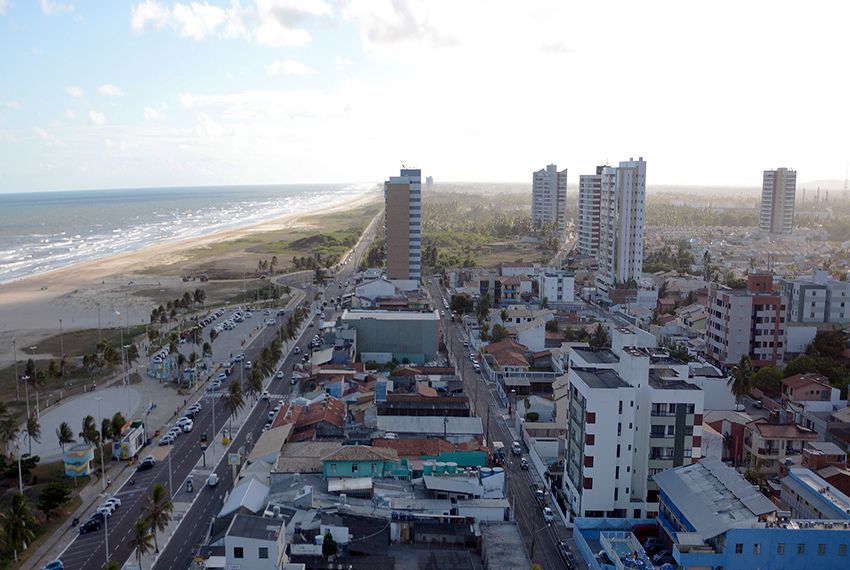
(255, 383)
(141, 539)
(65, 435)
(599, 338)
(118, 422)
(234, 399)
(158, 511)
(8, 430)
(89, 433)
(33, 429)
(112, 565)
(18, 524)
(741, 381)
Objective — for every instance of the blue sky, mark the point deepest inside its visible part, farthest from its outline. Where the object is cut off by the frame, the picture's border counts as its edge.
(157, 92)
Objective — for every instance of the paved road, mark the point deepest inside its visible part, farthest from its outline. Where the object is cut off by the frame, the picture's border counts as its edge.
(527, 512)
(89, 551)
(191, 534)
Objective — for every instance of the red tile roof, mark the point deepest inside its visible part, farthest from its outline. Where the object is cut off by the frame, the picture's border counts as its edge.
(417, 447)
(800, 380)
(330, 410)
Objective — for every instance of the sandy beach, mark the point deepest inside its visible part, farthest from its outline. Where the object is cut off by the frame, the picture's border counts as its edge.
(30, 308)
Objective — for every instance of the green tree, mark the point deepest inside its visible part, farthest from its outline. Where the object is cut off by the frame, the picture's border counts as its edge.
(768, 378)
(461, 304)
(118, 422)
(18, 524)
(484, 305)
(599, 338)
(89, 433)
(141, 539)
(8, 430)
(106, 429)
(112, 565)
(255, 383)
(552, 326)
(830, 344)
(64, 435)
(158, 510)
(328, 545)
(741, 381)
(499, 333)
(33, 429)
(53, 495)
(234, 399)
(532, 416)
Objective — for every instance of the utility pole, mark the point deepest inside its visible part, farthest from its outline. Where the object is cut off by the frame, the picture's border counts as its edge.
(17, 380)
(99, 337)
(62, 352)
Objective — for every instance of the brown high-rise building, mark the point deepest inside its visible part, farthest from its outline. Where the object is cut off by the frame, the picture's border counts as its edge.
(403, 220)
(778, 191)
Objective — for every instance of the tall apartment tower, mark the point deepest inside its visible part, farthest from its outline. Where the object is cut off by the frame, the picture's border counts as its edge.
(778, 191)
(403, 220)
(621, 223)
(549, 197)
(589, 196)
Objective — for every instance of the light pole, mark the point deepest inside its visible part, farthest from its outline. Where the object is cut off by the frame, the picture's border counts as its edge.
(99, 337)
(32, 350)
(26, 378)
(17, 380)
(170, 490)
(20, 472)
(127, 377)
(62, 352)
(100, 444)
(534, 537)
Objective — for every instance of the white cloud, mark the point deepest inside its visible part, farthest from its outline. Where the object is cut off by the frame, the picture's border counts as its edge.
(97, 119)
(50, 8)
(110, 90)
(4, 5)
(11, 105)
(266, 22)
(340, 60)
(76, 92)
(153, 114)
(207, 127)
(70, 113)
(43, 134)
(289, 67)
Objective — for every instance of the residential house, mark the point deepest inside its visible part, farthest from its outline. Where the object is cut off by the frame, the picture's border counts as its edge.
(363, 461)
(768, 445)
(255, 543)
(324, 419)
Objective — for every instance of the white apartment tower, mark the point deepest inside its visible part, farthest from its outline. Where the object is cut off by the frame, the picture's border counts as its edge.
(549, 197)
(621, 223)
(778, 190)
(632, 413)
(589, 196)
(403, 221)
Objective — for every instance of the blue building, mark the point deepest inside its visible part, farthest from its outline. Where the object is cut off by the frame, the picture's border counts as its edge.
(713, 518)
(809, 496)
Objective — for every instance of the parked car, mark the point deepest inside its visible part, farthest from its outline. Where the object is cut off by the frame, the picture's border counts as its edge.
(90, 526)
(548, 515)
(106, 510)
(566, 554)
(166, 439)
(279, 375)
(55, 565)
(264, 395)
(523, 464)
(113, 500)
(212, 480)
(146, 463)
(187, 427)
(516, 448)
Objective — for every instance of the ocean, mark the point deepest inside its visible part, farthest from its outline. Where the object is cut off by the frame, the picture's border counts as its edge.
(45, 231)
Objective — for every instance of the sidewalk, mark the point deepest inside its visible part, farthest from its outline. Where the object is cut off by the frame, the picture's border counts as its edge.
(118, 472)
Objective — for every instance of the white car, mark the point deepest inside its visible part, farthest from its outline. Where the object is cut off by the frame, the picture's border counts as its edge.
(113, 501)
(187, 427)
(106, 509)
(213, 386)
(248, 365)
(548, 515)
(264, 395)
(279, 375)
(167, 439)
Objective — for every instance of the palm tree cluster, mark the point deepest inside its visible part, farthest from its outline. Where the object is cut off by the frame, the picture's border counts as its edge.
(8, 427)
(156, 516)
(106, 355)
(234, 399)
(164, 314)
(17, 525)
(265, 265)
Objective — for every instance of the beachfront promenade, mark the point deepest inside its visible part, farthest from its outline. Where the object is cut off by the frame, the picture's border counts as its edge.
(168, 406)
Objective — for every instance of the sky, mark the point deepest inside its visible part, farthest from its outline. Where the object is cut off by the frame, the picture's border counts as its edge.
(108, 94)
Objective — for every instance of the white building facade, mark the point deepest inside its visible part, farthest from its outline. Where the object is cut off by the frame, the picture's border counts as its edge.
(589, 197)
(778, 191)
(632, 415)
(557, 286)
(549, 197)
(816, 300)
(621, 224)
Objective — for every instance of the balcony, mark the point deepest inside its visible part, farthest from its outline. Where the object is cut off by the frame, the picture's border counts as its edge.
(767, 451)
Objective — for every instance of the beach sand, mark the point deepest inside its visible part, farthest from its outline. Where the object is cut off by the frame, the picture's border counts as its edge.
(30, 308)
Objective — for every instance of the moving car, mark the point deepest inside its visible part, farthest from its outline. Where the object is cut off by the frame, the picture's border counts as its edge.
(548, 515)
(516, 448)
(523, 464)
(212, 480)
(146, 463)
(264, 395)
(279, 375)
(55, 565)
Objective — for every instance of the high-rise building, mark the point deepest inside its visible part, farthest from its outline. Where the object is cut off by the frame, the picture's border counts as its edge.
(750, 322)
(621, 224)
(403, 220)
(589, 196)
(778, 190)
(817, 299)
(549, 197)
(632, 414)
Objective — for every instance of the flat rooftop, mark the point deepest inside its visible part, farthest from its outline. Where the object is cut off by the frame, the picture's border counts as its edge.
(502, 542)
(259, 528)
(362, 315)
(816, 485)
(600, 378)
(596, 355)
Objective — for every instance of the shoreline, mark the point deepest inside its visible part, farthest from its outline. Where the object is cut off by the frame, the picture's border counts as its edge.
(90, 293)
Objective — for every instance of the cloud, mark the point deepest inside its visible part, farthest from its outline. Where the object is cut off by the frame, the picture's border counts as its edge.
(4, 5)
(50, 8)
(265, 22)
(75, 92)
(340, 60)
(70, 113)
(396, 21)
(11, 105)
(152, 114)
(207, 127)
(44, 135)
(97, 119)
(289, 67)
(110, 90)
(556, 47)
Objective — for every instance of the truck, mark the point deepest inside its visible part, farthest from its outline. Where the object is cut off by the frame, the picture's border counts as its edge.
(498, 453)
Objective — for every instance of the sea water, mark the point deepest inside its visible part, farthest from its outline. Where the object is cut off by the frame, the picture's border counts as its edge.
(45, 231)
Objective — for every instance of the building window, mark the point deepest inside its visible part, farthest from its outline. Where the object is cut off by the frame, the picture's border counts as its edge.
(238, 552)
(589, 439)
(801, 548)
(757, 548)
(739, 548)
(354, 467)
(264, 552)
(780, 549)
(618, 450)
(333, 467)
(821, 549)
(588, 482)
(590, 417)
(588, 461)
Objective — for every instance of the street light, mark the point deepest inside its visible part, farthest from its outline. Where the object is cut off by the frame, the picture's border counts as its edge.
(534, 537)
(100, 444)
(32, 349)
(17, 381)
